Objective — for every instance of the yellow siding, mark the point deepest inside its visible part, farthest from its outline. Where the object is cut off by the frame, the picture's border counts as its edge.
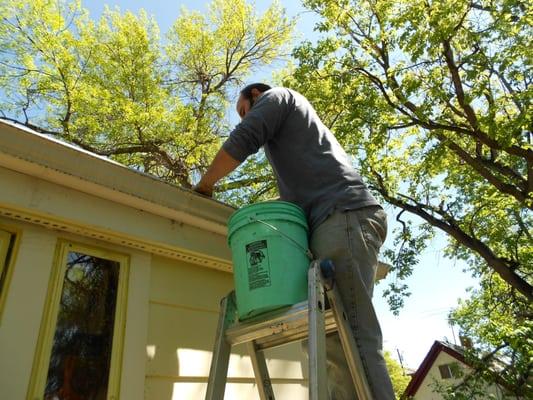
(134, 355)
(184, 302)
(170, 325)
(23, 309)
(25, 302)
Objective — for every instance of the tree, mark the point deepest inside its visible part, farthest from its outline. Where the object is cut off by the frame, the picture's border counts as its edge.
(111, 87)
(499, 325)
(397, 375)
(432, 99)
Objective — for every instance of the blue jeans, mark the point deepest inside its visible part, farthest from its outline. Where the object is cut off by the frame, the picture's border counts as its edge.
(352, 239)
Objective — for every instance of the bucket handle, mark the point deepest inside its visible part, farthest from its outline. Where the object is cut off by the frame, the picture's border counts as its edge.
(307, 252)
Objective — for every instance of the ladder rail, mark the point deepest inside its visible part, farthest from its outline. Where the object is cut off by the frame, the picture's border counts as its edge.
(306, 319)
(351, 351)
(218, 371)
(262, 378)
(318, 389)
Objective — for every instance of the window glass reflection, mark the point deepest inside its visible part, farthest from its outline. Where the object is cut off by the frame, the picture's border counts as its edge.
(6, 247)
(81, 352)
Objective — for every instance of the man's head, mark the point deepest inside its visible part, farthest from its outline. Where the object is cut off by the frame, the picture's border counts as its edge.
(249, 96)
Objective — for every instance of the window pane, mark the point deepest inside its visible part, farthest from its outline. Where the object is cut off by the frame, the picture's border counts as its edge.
(445, 371)
(5, 246)
(83, 338)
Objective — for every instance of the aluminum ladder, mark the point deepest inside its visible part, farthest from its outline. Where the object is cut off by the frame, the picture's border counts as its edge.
(309, 319)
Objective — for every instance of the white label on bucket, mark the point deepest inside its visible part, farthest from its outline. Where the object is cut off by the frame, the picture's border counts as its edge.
(258, 264)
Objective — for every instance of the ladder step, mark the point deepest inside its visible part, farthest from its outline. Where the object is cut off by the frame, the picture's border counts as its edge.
(277, 327)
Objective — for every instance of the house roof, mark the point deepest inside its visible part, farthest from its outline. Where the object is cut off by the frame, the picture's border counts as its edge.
(437, 347)
(114, 204)
(41, 156)
(35, 154)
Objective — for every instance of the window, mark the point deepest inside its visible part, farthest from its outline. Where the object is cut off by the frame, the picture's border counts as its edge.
(448, 371)
(81, 337)
(7, 245)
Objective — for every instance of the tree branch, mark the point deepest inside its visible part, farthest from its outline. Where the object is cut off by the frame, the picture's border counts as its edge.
(504, 267)
(244, 182)
(478, 165)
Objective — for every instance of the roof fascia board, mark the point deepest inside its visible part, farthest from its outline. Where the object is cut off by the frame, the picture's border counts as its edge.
(38, 155)
(32, 200)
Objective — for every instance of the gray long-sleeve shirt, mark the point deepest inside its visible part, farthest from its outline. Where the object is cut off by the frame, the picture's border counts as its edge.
(311, 168)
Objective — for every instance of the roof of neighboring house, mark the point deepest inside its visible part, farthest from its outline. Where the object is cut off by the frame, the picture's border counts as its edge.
(437, 347)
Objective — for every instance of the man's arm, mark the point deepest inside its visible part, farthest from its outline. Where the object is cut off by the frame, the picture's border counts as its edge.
(221, 166)
(260, 125)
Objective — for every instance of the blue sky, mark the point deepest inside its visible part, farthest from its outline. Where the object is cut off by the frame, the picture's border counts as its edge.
(166, 11)
(437, 282)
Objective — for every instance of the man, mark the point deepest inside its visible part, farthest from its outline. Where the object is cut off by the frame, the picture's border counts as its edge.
(347, 225)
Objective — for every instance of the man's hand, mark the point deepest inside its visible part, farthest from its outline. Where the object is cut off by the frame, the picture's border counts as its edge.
(203, 189)
(221, 166)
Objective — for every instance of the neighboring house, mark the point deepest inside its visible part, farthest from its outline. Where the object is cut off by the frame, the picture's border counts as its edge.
(441, 366)
(110, 282)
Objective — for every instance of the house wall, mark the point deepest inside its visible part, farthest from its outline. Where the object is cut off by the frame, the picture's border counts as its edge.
(426, 390)
(172, 313)
(26, 297)
(172, 304)
(184, 309)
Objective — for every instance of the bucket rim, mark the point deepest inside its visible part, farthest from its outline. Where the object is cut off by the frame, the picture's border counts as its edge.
(297, 216)
(239, 219)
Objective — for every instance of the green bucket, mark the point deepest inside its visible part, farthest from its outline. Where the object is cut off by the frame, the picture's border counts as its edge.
(270, 254)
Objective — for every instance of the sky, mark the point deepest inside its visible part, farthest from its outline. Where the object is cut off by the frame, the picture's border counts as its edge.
(437, 282)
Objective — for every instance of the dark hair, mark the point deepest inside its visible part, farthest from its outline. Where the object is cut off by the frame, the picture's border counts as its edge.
(247, 91)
